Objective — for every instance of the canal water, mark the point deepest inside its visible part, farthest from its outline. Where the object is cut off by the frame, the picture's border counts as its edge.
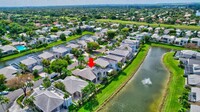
(143, 93)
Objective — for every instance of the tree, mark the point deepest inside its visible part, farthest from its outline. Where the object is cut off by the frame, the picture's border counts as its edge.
(111, 34)
(1, 53)
(119, 65)
(4, 100)
(58, 65)
(89, 89)
(79, 31)
(23, 67)
(45, 62)
(46, 82)
(30, 102)
(92, 46)
(76, 52)
(65, 73)
(54, 29)
(21, 81)
(81, 60)
(59, 85)
(2, 82)
(68, 59)
(113, 73)
(35, 73)
(63, 37)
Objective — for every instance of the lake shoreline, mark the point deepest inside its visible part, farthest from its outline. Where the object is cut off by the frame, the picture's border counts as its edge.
(124, 84)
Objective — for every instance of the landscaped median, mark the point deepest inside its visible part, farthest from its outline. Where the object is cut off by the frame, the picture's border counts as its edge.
(44, 48)
(119, 82)
(175, 84)
(151, 24)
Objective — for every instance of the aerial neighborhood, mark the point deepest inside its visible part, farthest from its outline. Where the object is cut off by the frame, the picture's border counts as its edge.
(67, 60)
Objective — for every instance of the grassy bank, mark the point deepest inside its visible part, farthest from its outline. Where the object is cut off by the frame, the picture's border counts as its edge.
(152, 25)
(175, 84)
(43, 48)
(111, 89)
(167, 46)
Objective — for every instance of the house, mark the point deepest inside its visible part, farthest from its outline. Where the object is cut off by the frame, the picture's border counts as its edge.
(194, 108)
(39, 68)
(113, 60)
(46, 55)
(8, 49)
(181, 41)
(30, 62)
(186, 54)
(156, 37)
(168, 39)
(60, 51)
(53, 37)
(82, 44)
(72, 45)
(9, 72)
(193, 80)
(130, 48)
(74, 86)
(86, 74)
(192, 66)
(194, 95)
(132, 42)
(125, 54)
(103, 67)
(51, 100)
(42, 39)
(72, 66)
(195, 41)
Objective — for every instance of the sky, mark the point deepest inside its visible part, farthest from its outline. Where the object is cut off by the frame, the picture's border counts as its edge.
(16, 3)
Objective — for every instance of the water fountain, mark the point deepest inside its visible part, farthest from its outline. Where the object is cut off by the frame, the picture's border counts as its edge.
(147, 81)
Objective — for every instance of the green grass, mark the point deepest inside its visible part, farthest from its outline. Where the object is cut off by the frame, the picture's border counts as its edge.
(175, 85)
(152, 25)
(168, 46)
(44, 48)
(126, 74)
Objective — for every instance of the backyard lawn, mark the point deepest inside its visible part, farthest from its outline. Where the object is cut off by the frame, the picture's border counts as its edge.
(119, 81)
(152, 25)
(44, 48)
(176, 84)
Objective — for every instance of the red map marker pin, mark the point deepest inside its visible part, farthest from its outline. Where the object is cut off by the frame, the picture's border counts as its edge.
(91, 62)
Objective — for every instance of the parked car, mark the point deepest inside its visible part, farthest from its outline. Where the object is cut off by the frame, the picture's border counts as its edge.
(4, 92)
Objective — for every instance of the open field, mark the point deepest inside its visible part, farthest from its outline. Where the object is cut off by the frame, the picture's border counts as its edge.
(152, 25)
(119, 81)
(43, 48)
(175, 84)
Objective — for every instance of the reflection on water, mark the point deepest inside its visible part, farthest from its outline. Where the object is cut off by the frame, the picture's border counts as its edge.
(135, 97)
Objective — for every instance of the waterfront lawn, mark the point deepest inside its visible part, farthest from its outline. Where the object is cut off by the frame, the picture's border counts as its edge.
(175, 85)
(151, 24)
(167, 46)
(117, 82)
(44, 48)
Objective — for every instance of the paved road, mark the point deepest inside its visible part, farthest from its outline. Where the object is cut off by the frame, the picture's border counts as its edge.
(15, 94)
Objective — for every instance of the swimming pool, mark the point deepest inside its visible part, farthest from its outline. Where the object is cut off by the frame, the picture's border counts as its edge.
(21, 47)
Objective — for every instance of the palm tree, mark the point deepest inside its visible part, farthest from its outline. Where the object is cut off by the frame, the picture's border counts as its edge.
(81, 60)
(30, 102)
(23, 67)
(4, 100)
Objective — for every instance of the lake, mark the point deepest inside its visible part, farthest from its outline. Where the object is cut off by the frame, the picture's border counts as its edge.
(143, 93)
